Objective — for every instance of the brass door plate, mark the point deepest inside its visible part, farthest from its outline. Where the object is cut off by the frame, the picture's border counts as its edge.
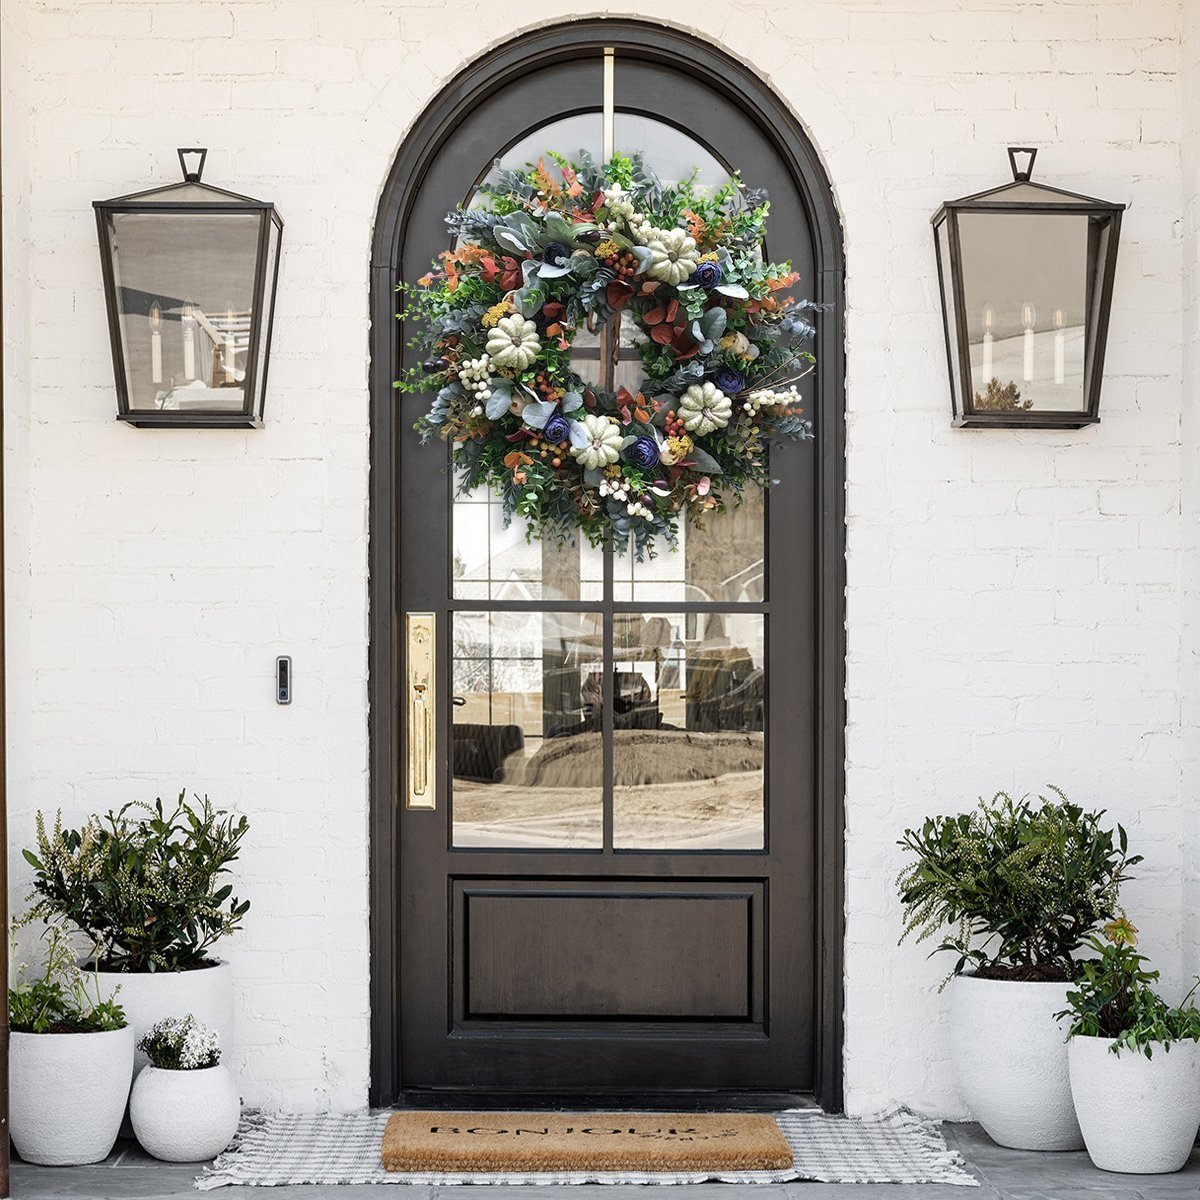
(421, 641)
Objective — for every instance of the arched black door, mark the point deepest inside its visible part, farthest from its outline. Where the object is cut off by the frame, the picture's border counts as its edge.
(620, 888)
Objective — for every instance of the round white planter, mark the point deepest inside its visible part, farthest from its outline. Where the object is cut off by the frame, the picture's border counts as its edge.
(184, 1116)
(67, 1093)
(1010, 1056)
(1139, 1115)
(148, 996)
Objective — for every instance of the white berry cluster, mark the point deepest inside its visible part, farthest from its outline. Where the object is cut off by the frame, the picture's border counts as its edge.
(636, 508)
(475, 374)
(621, 210)
(771, 398)
(615, 488)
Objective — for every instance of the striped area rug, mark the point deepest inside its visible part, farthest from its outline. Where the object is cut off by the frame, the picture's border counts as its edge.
(891, 1147)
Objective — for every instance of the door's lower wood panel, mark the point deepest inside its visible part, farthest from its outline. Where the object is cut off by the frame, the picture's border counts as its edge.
(592, 950)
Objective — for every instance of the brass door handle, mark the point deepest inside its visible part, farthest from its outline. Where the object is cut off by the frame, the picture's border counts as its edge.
(421, 642)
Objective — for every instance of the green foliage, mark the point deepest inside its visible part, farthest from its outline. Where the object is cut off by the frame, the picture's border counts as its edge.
(145, 888)
(1116, 998)
(1019, 885)
(63, 998)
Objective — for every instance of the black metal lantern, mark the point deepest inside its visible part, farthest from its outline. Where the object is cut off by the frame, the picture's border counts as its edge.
(1026, 276)
(189, 277)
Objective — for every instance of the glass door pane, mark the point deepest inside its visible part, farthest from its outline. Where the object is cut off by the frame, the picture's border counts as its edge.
(526, 734)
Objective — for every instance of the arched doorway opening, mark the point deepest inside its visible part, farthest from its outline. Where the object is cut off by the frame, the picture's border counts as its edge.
(459, 895)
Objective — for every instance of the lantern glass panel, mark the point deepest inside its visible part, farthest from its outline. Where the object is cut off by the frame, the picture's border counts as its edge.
(1027, 279)
(184, 283)
(949, 308)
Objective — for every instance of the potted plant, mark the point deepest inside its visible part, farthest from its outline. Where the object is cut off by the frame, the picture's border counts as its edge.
(1134, 1061)
(145, 885)
(1017, 886)
(70, 1061)
(185, 1104)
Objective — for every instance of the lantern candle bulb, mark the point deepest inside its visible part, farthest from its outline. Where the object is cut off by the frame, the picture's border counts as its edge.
(1028, 319)
(188, 322)
(156, 375)
(230, 348)
(989, 317)
(1060, 356)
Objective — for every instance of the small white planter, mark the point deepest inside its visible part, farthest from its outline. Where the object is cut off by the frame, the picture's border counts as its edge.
(184, 1116)
(1010, 1056)
(1139, 1115)
(149, 996)
(67, 1093)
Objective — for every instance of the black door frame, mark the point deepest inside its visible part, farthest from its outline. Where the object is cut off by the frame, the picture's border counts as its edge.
(471, 87)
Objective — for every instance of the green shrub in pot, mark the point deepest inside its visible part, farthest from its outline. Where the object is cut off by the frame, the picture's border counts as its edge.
(1013, 888)
(1134, 1060)
(143, 883)
(71, 1058)
(150, 886)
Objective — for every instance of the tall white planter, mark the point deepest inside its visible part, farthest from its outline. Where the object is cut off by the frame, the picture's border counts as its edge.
(184, 1116)
(149, 996)
(67, 1094)
(1010, 1056)
(1139, 1115)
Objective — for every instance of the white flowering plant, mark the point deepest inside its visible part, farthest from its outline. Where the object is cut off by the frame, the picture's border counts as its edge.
(553, 251)
(1016, 887)
(181, 1044)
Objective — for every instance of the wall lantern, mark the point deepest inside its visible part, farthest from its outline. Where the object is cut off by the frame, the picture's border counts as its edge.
(189, 278)
(1026, 276)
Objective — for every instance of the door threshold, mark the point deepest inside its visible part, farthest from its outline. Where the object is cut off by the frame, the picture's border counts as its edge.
(691, 1101)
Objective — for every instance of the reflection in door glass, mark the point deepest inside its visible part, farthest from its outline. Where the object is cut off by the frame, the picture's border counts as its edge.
(723, 563)
(689, 709)
(495, 562)
(526, 741)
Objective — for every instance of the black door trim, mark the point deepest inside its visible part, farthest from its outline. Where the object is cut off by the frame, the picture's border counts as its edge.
(742, 87)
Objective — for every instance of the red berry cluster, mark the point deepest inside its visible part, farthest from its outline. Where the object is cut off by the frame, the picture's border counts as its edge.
(546, 386)
(673, 425)
(625, 266)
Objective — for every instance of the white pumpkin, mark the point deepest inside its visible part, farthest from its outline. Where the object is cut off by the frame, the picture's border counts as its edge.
(704, 407)
(603, 445)
(673, 256)
(514, 342)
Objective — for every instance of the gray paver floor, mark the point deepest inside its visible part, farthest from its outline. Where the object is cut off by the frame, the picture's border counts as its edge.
(1005, 1175)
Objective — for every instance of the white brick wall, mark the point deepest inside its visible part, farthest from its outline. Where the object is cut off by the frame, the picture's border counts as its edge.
(1014, 600)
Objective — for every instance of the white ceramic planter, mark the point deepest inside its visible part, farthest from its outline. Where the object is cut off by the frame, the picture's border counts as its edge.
(1010, 1056)
(149, 996)
(184, 1116)
(67, 1094)
(1139, 1115)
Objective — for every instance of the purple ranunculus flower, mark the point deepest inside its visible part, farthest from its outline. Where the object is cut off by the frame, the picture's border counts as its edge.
(556, 254)
(557, 430)
(708, 275)
(728, 380)
(643, 453)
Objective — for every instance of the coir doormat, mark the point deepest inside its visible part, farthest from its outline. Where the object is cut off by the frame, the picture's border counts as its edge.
(613, 1141)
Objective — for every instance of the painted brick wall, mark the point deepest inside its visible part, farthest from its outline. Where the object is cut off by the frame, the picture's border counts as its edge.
(1014, 600)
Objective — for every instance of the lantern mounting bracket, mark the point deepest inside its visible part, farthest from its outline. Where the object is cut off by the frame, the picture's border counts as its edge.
(190, 176)
(1021, 174)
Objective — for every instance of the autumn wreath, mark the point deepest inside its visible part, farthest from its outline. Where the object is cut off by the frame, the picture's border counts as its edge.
(550, 251)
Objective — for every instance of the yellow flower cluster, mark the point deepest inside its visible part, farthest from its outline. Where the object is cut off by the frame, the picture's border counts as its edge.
(680, 447)
(607, 249)
(711, 256)
(493, 314)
